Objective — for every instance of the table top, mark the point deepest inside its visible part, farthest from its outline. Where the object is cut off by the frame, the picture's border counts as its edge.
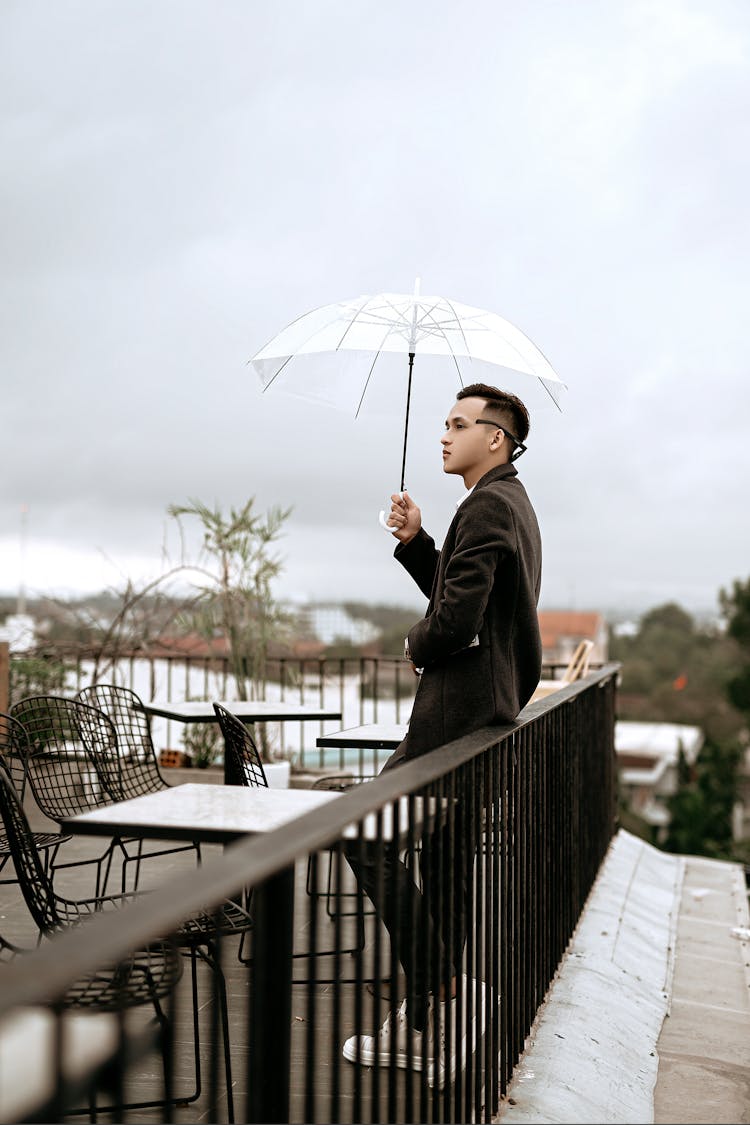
(371, 736)
(209, 813)
(219, 814)
(248, 710)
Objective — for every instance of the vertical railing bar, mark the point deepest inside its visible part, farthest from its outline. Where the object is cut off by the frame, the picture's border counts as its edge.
(335, 1111)
(311, 1006)
(378, 972)
(271, 999)
(359, 949)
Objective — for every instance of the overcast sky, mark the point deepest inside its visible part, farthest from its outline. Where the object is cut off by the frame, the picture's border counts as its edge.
(182, 179)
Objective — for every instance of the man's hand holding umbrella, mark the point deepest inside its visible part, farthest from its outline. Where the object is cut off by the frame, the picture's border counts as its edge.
(405, 518)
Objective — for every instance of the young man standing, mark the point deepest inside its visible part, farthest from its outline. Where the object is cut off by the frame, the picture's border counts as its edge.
(478, 652)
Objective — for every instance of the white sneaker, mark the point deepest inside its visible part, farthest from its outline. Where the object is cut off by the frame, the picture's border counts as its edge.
(461, 1037)
(361, 1048)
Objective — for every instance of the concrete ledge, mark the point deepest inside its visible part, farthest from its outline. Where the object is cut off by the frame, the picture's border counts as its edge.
(704, 1047)
(591, 1055)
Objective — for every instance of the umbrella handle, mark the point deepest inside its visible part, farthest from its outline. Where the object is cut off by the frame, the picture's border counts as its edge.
(384, 525)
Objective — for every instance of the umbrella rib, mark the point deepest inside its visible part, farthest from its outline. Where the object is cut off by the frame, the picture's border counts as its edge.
(367, 383)
(293, 356)
(273, 377)
(458, 322)
(289, 325)
(445, 337)
(350, 325)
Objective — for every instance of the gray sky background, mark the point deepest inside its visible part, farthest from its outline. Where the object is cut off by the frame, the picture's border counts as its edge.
(181, 179)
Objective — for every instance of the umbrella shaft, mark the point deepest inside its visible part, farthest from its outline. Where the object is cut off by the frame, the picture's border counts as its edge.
(406, 420)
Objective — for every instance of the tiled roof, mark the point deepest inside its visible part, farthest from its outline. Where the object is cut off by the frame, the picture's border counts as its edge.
(557, 623)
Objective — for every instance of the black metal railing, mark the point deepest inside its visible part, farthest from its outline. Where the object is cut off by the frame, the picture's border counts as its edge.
(497, 838)
(365, 689)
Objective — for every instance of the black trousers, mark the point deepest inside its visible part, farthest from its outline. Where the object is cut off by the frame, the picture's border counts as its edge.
(427, 926)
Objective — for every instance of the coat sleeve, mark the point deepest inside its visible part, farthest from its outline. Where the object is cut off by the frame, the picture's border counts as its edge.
(485, 534)
(420, 558)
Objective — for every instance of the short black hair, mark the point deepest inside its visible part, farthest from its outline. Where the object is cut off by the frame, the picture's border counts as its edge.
(502, 405)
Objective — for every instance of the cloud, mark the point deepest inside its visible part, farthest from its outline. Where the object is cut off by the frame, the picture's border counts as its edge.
(179, 184)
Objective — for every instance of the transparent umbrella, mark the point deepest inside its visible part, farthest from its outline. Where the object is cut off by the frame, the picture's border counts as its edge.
(340, 353)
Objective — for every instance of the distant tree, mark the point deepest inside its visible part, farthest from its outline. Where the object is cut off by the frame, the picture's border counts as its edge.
(674, 671)
(701, 810)
(735, 605)
(233, 575)
(34, 675)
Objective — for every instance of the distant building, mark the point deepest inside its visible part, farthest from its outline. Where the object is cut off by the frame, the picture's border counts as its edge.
(330, 622)
(562, 629)
(647, 765)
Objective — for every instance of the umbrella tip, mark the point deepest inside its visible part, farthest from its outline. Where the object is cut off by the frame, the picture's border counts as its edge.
(417, 285)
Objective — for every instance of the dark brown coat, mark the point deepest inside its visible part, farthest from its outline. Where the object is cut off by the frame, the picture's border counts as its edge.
(485, 581)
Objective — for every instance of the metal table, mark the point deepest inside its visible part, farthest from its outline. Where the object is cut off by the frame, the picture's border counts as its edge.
(248, 710)
(218, 814)
(214, 814)
(371, 736)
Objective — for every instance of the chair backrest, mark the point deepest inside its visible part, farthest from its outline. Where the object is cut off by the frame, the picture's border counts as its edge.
(578, 665)
(35, 885)
(14, 752)
(139, 769)
(241, 753)
(73, 764)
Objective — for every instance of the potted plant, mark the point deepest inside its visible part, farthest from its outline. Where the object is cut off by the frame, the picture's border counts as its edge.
(203, 744)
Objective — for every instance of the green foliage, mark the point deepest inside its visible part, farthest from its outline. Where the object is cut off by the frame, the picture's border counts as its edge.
(701, 810)
(675, 671)
(34, 675)
(735, 606)
(236, 571)
(203, 742)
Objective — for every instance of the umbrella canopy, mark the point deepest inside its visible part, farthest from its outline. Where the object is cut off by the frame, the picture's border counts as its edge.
(338, 353)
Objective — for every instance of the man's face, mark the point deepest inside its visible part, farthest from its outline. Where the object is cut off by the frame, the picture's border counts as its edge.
(466, 445)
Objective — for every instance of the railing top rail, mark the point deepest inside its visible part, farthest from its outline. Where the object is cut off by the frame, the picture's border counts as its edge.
(111, 936)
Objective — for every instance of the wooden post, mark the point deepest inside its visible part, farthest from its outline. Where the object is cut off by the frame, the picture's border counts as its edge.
(4, 676)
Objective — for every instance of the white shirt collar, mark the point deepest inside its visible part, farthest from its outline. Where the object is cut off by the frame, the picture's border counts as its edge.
(466, 494)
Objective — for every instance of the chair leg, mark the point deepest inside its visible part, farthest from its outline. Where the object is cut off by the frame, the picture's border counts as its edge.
(225, 1031)
(179, 1099)
(210, 956)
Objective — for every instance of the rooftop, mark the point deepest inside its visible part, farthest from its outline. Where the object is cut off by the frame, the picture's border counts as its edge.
(648, 1018)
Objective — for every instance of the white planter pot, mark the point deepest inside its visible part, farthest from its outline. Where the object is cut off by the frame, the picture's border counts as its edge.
(277, 774)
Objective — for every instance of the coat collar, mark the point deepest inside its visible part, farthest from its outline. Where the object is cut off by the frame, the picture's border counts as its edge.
(501, 472)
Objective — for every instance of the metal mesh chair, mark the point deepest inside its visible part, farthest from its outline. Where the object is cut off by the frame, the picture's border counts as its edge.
(146, 976)
(139, 771)
(14, 750)
(198, 937)
(243, 765)
(75, 766)
(61, 772)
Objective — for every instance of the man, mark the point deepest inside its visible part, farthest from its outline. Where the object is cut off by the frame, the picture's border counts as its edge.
(478, 651)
